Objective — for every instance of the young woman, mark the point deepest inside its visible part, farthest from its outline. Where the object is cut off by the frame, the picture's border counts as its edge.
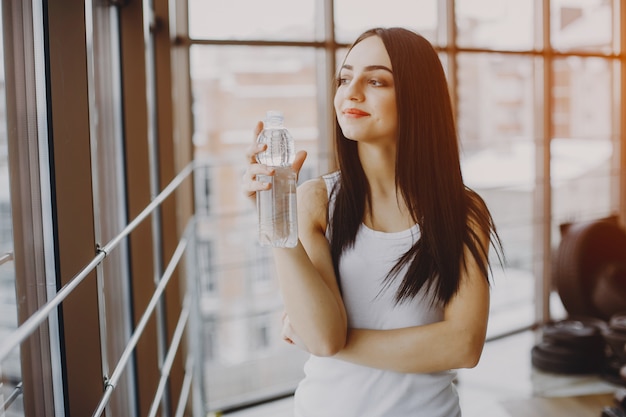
(388, 287)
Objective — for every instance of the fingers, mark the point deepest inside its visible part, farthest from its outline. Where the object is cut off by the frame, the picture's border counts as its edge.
(289, 335)
(249, 181)
(257, 129)
(286, 330)
(298, 161)
(255, 148)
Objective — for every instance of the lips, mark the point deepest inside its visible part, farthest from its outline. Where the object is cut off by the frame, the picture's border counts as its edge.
(352, 112)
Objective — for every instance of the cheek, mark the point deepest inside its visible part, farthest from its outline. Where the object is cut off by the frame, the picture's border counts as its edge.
(391, 103)
(391, 115)
(391, 109)
(336, 102)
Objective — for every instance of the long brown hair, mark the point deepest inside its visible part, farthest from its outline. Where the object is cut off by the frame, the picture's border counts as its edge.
(428, 175)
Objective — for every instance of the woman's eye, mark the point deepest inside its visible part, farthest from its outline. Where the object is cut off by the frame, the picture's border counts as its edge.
(376, 83)
(342, 81)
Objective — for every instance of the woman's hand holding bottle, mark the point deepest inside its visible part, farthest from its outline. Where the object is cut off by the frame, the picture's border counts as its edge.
(250, 183)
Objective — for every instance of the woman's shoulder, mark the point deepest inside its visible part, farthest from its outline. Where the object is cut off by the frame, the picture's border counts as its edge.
(313, 195)
(314, 191)
(320, 187)
(313, 187)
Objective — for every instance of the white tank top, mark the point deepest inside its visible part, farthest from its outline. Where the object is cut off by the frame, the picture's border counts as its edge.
(334, 388)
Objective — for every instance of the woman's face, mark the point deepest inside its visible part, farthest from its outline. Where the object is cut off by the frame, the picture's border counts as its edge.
(365, 101)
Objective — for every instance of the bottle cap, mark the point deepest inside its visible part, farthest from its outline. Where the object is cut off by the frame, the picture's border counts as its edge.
(274, 117)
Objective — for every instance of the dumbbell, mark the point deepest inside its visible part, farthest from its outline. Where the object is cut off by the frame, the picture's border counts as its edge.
(618, 409)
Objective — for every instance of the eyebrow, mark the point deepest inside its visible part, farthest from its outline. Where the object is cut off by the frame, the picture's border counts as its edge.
(369, 68)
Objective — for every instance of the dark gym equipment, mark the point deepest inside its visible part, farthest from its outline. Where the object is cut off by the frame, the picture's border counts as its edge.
(589, 273)
(590, 268)
(615, 337)
(573, 346)
(616, 410)
(613, 412)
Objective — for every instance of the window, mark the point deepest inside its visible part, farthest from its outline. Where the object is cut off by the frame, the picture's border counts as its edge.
(204, 261)
(203, 190)
(354, 16)
(496, 119)
(501, 73)
(495, 24)
(11, 398)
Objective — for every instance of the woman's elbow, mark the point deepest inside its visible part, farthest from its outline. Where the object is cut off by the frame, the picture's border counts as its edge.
(471, 352)
(327, 348)
(471, 360)
(328, 345)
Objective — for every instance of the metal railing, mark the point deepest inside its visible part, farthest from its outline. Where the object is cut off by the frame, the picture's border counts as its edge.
(6, 257)
(22, 332)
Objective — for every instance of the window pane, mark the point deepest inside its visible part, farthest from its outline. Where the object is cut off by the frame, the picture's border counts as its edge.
(233, 87)
(496, 128)
(355, 16)
(584, 150)
(243, 19)
(582, 25)
(495, 24)
(10, 369)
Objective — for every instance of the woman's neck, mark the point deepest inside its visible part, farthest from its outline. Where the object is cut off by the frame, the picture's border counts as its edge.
(379, 166)
(385, 211)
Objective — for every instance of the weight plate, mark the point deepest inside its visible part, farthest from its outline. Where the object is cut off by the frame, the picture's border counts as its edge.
(567, 353)
(557, 365)
(617, 344)
(609, 294)
(584, 250)
(580, 331)
(618, 323)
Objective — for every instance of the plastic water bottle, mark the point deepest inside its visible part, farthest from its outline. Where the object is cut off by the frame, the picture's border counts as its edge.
(276, 207)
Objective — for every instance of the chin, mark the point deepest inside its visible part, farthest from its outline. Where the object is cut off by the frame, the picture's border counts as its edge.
(350, 133)
(350, 136)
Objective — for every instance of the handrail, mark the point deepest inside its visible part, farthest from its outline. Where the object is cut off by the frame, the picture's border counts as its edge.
(6, 257)
(169, 358)
(111, 383)
(39, 316)
(185, 388)
(16, 393)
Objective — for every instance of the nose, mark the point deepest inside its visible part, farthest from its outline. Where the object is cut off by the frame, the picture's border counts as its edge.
(354, 91)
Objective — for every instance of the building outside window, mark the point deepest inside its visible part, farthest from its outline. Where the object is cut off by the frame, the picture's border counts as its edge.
(496, 64)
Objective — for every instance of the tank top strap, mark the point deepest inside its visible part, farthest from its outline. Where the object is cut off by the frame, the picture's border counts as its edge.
(331, 180)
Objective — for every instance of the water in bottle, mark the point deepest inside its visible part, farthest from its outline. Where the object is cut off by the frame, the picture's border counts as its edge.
(276, 207)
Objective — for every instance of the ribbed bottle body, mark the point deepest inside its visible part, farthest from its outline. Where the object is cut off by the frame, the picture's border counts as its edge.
(276, 207)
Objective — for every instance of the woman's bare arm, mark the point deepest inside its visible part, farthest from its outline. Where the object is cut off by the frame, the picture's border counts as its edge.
(307, 279)
(455, 342)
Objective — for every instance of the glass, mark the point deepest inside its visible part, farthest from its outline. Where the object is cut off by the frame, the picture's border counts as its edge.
(495, 119)
(244, 357)
(243, 19)
(352, 17)
(582, 25)
(10, 368)
(495, 24)
(584, 151)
